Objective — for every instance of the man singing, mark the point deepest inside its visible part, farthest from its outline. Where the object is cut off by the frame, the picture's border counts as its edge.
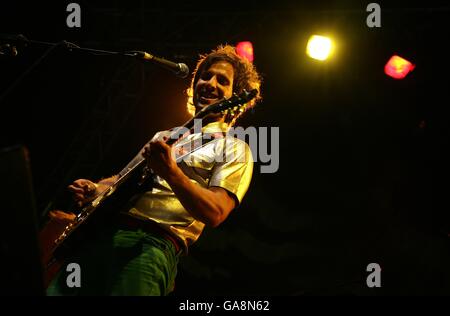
(139, 255)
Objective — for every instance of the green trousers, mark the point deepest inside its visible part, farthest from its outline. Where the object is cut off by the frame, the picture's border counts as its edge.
(120, 262)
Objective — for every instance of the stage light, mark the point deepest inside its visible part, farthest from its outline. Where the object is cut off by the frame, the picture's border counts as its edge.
(245, 49)
(319, 47)
(398, 67)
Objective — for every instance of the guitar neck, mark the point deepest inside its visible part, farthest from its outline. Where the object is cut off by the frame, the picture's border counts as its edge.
(175, 135)
(180, 131)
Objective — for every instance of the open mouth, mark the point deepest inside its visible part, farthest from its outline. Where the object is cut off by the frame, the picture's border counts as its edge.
(207, 98)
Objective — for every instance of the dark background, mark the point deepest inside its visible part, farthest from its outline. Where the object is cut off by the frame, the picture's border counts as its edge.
(363, 171)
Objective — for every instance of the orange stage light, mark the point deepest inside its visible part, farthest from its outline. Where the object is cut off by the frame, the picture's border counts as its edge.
(245, 49)
(398, 67)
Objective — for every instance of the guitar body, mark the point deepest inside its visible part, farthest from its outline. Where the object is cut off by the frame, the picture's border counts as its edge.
(65, 232)
(47, 236)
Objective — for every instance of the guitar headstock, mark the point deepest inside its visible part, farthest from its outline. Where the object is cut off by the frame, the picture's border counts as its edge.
(232, 105)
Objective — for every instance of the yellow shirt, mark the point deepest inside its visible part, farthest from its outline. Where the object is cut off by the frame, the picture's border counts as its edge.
(224, 162)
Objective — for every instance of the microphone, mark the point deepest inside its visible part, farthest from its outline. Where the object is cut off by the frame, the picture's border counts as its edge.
(8, 50)
(9, 43)
(179, 69)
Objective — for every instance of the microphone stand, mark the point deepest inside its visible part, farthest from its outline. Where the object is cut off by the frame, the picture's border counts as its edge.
(13, 40)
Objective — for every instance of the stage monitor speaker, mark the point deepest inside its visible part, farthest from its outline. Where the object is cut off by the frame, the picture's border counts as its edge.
(20, 264)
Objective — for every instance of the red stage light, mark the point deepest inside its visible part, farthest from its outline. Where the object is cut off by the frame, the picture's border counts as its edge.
(245, 49)
(398, 67)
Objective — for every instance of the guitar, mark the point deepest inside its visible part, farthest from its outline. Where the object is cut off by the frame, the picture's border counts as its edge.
(64, 231)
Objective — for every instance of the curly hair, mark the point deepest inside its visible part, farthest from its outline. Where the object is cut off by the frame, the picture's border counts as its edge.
(245, 74)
